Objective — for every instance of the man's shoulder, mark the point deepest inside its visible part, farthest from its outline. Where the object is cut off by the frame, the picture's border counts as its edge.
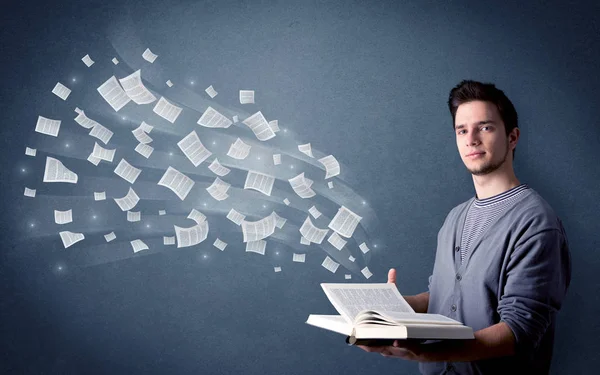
(534, 211)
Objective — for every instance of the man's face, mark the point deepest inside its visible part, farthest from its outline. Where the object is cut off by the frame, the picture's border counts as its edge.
(479, 128)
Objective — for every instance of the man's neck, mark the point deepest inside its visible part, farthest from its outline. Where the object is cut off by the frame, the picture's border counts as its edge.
(489, 186)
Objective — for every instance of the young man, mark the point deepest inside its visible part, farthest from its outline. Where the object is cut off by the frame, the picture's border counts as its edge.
(502, 264)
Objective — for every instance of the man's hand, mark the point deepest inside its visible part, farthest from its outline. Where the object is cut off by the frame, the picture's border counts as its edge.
(404, 349)
(392, 276)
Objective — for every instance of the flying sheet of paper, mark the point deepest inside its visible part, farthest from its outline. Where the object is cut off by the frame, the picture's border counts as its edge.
(274, 125)
(258, 247)
(220, 244)
(332, 167)
(235, 119)
(258, 230)
(218, 189)
(134, 216)
(259, 126)
(277, 159)
(191, 236)
(135, 89)
(144, 150)
(304, 241)
(30, 151)
(211, 118)
(211, 91)
(347, 276)
(168, 240)
(47, 126)
(162, 212)
(279, 221)
(85, 121)
(177, 182)
(314, 212)
(330, 184)
(239, 150)
(301, 186)
(197, 216)
(193, 149)
(61, 91)
(311, 232)
(29, 192)
(166, 110)
(218, 169)
(149, 56)
(103, 153)
(169, 83)
(63, 217)
(100, 196)
(286, 202)
(94, 160)
(138, 245)
(277, 269)
(300, 258)
(351, 258)
(112, 92)
(70, 238)
(87, 60)
(246, 96)
(102, 133)
(306, 149)
(115, 61)
(236, 217)
(260, 182)
(127, 171)
(110, 236)
(141, 135)
(129, 201)
(145, 127)
(330, 265)
(364, 248)
(365, 271)
(337, 241)
(55, 171)
(344, 222)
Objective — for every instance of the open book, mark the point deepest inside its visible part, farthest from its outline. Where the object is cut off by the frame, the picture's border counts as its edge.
(377, 314)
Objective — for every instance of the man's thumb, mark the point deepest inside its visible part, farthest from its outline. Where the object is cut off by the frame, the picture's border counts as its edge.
(392, 276)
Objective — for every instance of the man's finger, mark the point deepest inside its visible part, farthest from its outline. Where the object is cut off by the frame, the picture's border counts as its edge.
(392, 276)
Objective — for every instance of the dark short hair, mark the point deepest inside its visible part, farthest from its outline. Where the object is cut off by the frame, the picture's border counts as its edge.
(468, 91)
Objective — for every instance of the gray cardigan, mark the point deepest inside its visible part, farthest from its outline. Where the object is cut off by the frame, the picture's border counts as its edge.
(517, 271)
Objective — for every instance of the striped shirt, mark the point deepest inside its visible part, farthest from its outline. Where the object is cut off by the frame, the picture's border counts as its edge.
(483, 212)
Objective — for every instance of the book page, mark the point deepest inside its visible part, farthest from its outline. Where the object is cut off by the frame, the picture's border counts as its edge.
(259, 126)
(193, 149)
(218, 169)
(351, 299)
(135, 89)
(112, 92)
(61, 91)
(239, 150)
(128, 202)
(211, 118)
(149, 56)
(55, 171)
(332, 167)
(166, 110)
(47, 126)
(259, 182)
(102, 133)
(344, 222)
(177, 182)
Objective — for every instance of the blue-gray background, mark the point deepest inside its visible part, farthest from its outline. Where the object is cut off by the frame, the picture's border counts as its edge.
(368, 81)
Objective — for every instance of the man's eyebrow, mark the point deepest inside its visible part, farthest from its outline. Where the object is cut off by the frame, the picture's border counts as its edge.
(478, 123)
